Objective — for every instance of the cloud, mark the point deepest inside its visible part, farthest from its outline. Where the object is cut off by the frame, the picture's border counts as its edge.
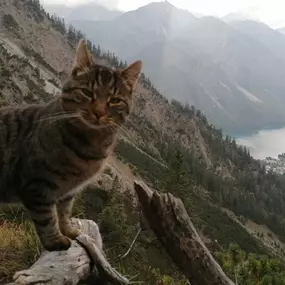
(271, 12)
(110, 4)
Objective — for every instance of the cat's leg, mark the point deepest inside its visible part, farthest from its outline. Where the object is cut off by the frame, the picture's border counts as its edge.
(38, 195)
(64, 210)
(45, 219)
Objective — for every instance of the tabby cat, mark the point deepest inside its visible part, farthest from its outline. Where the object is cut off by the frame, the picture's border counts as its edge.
(50, 151)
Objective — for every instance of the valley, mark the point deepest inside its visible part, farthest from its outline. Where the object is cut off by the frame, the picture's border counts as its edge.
(266, 145)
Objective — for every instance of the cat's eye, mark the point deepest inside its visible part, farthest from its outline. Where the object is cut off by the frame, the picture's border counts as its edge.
(87, 92)
(115, 100)
(77, 98)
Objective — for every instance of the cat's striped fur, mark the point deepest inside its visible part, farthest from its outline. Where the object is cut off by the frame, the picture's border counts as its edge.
(49, 151)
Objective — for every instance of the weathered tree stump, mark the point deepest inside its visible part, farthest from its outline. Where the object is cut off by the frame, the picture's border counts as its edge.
(168, 218)
(83, 260)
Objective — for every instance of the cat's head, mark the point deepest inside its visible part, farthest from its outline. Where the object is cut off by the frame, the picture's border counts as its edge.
(101, 95)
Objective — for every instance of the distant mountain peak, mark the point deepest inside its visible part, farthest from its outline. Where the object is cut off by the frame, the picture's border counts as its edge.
(161, 6)
(281, 30)
(157, 7)
(160, 3)
(240, 16)
(159, 16)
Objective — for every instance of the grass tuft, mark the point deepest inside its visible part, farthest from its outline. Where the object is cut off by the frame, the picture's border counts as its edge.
(19, 247)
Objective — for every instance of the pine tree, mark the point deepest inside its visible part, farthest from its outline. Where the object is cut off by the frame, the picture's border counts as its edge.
(114, 60)
(89, 44)
(71, 34)
(79, 36)
(176, 178)
(99, 51)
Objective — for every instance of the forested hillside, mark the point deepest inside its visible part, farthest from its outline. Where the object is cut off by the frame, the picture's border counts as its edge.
(169, 145)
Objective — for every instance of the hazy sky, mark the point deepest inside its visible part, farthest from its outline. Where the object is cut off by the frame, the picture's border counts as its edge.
(271, 12)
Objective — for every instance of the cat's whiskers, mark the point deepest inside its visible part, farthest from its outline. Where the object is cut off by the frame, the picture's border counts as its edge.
(63, 117)
(60, 115)
(121, 128)
(53, 119)
(126, 135)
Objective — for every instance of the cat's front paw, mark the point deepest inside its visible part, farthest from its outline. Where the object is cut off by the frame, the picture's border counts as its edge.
(57, 244)
(71, 232)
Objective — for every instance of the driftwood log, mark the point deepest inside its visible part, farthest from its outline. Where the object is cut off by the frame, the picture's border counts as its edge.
(168, 218)
(83, 261)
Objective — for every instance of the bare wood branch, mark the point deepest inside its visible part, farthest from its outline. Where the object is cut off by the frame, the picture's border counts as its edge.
(168, 218)
(105, 270)
(132, 245)
(74, 265)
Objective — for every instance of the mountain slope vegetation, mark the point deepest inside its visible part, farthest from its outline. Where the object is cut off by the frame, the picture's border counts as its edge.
(170, 145)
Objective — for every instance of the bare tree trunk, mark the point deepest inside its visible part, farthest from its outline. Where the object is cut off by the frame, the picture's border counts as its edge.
(168, 218)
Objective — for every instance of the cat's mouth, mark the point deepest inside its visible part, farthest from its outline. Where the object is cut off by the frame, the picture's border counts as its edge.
(94, 120)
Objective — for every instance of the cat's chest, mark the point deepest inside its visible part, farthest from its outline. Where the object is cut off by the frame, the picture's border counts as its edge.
(88, 173)
(91, 169)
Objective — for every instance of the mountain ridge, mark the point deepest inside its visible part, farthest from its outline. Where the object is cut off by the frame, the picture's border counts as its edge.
(264, 34)
(243, 70)
(281, 30)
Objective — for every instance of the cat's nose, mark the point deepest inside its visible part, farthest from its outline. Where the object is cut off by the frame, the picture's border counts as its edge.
(100, 111)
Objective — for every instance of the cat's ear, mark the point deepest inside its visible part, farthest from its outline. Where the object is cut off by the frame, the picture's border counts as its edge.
(132, 73)
(83, 58)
